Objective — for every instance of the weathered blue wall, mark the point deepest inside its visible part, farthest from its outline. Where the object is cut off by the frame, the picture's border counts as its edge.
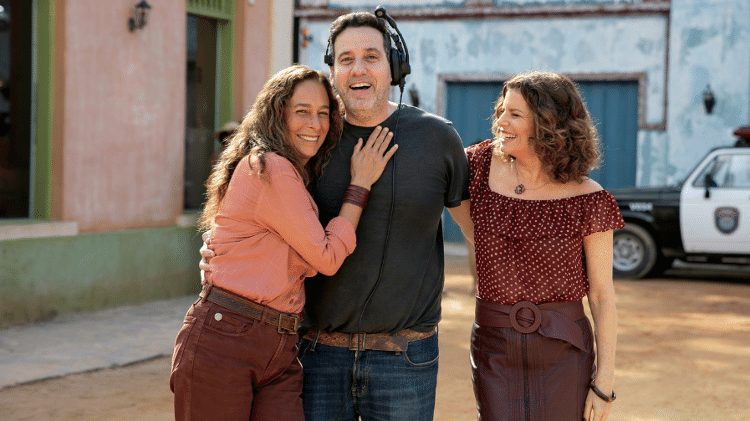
(700, 42)
(353, 4)
(372, 4)
(591, 45)
(710, 44)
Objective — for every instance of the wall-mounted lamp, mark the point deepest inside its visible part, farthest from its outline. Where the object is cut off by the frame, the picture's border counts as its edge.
(414, 96)
(140, 16)
(306, 37)
(709, 100)
(4, 20)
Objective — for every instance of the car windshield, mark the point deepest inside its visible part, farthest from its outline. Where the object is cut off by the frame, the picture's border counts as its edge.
(728, 171)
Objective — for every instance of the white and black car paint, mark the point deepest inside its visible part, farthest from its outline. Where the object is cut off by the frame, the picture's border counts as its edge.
(706, 218)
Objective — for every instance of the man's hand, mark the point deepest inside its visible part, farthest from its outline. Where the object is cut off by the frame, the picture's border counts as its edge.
(206, 255)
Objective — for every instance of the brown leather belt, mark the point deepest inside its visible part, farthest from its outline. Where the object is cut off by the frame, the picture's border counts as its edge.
(285, 323)
(368, 341)
(553, 320)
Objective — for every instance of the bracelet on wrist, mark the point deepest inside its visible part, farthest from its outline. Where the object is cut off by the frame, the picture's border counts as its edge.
(601, 394)
(356, 195)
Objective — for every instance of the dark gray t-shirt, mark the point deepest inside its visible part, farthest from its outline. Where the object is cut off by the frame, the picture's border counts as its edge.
(431, 172)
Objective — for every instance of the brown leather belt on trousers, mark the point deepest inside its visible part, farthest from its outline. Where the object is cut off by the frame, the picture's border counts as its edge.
(285, 323)
(368, 341)
(553, 320)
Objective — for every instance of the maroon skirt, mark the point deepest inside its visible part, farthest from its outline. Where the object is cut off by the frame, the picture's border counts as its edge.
(531, 362)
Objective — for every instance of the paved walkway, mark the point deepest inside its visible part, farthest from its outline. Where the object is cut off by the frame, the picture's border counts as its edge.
(82, 342)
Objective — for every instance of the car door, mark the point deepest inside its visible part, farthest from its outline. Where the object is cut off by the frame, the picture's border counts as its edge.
(715, 204)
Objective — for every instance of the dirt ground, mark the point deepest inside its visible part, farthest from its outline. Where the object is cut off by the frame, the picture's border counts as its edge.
(683, 354)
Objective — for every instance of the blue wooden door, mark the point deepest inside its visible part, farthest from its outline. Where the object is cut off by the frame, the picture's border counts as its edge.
(613, 107)
(471, 108)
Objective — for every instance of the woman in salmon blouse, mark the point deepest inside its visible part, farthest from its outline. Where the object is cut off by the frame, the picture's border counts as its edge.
(542, 231)
(236, 357)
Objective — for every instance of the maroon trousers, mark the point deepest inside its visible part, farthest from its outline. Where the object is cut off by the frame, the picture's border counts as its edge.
(531, 362)
(227, 366)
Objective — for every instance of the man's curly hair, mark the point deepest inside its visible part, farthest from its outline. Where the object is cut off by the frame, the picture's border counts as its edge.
(565, 139)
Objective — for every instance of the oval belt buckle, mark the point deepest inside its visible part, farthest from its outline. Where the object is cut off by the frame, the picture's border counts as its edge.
(534, 309)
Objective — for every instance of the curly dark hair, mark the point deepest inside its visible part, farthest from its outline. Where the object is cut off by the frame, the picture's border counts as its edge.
(264, 130)
(565, 138)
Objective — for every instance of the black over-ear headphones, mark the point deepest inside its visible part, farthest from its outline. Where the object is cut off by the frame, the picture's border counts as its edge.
(399, 57)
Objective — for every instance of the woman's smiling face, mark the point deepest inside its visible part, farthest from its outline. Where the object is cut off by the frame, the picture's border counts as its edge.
(515, 121)
(308, 118)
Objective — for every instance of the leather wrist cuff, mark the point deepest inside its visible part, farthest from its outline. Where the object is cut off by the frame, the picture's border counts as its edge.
(601, 394)
(356, 195)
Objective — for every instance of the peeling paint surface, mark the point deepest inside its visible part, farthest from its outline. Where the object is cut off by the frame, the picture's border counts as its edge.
(558, 2)
(710, 46)
(701, 43)
(652, 145)
(507, 46)
(354, 4)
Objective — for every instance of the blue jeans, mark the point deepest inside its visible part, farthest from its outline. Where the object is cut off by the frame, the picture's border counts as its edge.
(377, 386)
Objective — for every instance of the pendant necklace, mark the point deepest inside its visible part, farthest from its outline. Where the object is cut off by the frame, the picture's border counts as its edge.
(520, 188)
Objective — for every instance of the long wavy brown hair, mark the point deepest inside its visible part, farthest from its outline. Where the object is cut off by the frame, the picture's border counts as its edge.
(264, 130)
(565, 138)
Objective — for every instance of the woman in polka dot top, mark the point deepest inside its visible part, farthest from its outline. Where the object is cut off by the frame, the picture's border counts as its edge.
(542, 232)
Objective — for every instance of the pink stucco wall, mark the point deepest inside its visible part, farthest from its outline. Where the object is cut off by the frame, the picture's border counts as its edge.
(251, 52)
(119, 129)
(120, 153)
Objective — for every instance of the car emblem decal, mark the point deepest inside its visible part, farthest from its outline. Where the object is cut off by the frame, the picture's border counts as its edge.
(727, 219)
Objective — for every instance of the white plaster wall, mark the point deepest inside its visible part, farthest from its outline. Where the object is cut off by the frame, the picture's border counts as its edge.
(710, 43)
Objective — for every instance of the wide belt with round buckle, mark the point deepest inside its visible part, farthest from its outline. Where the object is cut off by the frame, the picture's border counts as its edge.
(526, 309)
(554, 320)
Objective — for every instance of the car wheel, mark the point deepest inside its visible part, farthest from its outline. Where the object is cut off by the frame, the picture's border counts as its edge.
(634, 253)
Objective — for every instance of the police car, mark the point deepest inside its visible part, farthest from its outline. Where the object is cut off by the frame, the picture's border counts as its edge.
(706, 218)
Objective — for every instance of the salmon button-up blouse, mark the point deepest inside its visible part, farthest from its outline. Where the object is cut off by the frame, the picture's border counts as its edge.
(268, 238)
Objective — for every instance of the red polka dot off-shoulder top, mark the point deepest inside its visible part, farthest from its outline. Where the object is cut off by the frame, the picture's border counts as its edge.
(532, 250)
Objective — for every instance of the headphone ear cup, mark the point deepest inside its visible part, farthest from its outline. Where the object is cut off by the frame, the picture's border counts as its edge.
(327, 57)
(395, 62)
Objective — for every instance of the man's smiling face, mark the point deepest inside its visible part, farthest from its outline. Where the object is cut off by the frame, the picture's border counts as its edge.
(361, 75)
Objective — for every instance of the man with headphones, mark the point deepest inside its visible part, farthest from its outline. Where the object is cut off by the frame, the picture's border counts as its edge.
(369, 347)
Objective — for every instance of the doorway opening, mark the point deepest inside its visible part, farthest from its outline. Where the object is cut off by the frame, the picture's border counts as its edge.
(16, 104)
(200, 107)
